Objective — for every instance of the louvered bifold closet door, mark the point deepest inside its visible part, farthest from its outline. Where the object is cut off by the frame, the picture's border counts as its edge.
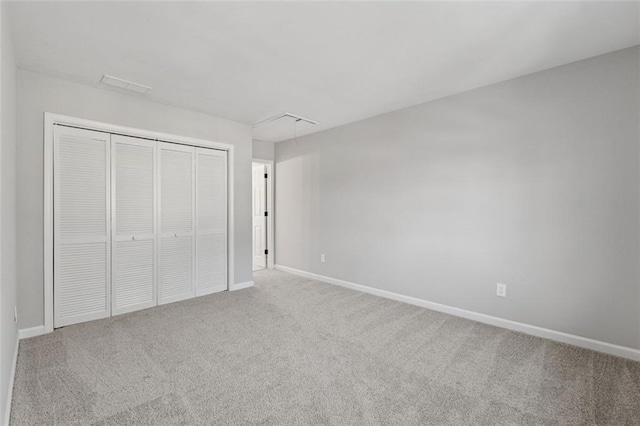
(176, 211)
(133, 279)
(81, 225)
(211, 221)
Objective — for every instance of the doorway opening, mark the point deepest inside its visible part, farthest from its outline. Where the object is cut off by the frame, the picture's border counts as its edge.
(262, 208)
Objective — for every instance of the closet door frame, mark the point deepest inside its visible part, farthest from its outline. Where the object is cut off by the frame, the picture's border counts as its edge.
(51, 120)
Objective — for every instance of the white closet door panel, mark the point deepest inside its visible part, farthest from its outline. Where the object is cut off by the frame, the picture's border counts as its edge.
(176, 212)
(82, 183)
(82, 244)
(133, 276)
(176, 269)
(176, 165)
(211, 221)
(134, 229)
(81, 288)
(211, 190)
(212, 263)
(134, 161)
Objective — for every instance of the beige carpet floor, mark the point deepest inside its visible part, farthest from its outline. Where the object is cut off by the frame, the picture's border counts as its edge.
(296, 351)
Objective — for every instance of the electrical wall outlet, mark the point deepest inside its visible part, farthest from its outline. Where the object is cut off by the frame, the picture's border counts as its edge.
(322, 258)
(501, 290)
(15, 314)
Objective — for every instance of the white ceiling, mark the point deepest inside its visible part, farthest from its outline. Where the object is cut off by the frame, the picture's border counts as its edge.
(331, 62)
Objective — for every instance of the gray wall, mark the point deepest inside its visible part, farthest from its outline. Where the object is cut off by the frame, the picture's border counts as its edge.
(8, 282)
(263, 150)
(37, 94)
(532, 182)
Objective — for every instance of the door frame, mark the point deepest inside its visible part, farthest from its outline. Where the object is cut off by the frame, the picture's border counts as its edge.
(51, 120)
(270, 217)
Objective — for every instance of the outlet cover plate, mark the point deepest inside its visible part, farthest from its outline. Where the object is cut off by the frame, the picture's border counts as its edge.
(501, 290)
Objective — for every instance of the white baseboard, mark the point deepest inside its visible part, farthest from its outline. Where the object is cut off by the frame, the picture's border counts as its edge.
(25, 333)
(7, 414)
(240, 286)
(558, 336)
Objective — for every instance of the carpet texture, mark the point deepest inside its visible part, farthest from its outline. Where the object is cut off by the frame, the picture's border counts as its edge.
(296, 351)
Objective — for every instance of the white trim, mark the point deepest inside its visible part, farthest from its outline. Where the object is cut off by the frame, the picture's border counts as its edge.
(131, 131)
(7, 413)
(230, 219)
(48, 222)
(49, 120)
(241, 286)
(271, 236)
(558, 336)
(26, 333)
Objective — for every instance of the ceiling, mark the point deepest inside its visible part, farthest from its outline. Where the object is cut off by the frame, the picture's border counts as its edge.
(333, 62)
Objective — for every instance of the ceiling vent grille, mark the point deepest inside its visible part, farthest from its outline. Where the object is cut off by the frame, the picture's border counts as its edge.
(124, 84)
(282, 127)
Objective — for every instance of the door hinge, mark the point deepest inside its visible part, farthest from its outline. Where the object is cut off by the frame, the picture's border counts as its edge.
(266, 213)
(266, 252)
(265, 175)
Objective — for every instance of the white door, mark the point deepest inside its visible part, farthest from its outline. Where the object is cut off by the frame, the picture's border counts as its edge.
(133, 202)
(259, 218)
(211, 221)
(176, 212)
(82, 234)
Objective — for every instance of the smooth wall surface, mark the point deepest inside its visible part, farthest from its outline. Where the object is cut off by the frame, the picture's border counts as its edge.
(38, 94)
(533, 183)
(8, 283)
(263, 150)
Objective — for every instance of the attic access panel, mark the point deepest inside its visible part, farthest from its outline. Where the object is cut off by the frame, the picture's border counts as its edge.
(281, 127)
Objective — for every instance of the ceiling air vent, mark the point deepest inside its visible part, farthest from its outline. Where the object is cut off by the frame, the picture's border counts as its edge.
(124, 84)
(282, 127)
